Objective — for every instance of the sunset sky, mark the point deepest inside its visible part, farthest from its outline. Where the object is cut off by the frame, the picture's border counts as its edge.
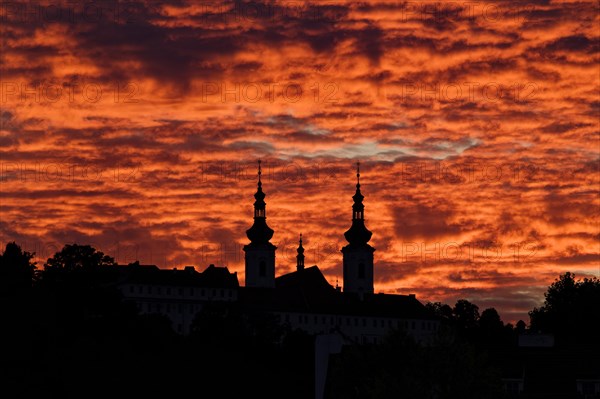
(136, 127)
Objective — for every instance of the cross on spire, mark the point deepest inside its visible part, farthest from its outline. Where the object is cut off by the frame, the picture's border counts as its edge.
(259, 173)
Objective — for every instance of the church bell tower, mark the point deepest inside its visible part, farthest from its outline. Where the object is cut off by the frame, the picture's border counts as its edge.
(358, 254)
(260, 253)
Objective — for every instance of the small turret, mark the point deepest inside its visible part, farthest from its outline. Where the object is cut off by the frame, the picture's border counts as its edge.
(300, 256)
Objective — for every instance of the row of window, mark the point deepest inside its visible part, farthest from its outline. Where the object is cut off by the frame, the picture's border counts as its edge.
(156, 307)
(180, 291)
(364, 322)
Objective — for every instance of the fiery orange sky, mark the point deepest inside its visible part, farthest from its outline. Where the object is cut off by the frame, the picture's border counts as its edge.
(136, 127)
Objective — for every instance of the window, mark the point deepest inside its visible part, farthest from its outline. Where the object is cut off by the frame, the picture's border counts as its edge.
(361, 270)
(149, 290)
(202, 292)
(131, 288)
(262, 268)
(413, 325)
(590, 388)
(513, 386)
(169, 291)
(191, 292)
(181, 292)
(374, 323)
(364, 322)
(222, 292)
(140, 288)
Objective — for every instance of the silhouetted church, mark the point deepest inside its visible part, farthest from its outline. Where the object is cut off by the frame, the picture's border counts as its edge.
(302, 299)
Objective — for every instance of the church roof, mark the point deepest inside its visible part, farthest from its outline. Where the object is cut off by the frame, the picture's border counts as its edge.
(212, 276)
(307, 291)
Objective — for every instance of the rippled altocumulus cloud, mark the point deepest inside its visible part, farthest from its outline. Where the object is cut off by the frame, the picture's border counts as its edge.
(136, 126)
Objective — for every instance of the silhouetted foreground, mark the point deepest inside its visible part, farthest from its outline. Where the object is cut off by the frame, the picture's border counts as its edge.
(67, 332)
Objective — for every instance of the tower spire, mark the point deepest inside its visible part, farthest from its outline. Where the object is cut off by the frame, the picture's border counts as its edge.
(358, 234)
(260, 204)
(358, 254)
(300, 256)
(259, 232)
(260, 253)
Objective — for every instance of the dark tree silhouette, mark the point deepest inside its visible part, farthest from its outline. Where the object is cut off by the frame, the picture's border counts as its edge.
(401, 368)
(520, 327)
(492, 331)
(466, 314)
(441, 310)
(490, 320)
(571, 308)
(79, 289)
(17, 270)
(78, 257)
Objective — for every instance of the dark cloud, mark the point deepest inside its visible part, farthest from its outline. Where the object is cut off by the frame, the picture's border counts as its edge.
(574, 43)
(414, 220)
(563, 127)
